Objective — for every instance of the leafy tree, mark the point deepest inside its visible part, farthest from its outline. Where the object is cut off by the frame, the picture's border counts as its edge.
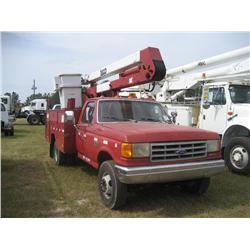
(15, 102)
(53, 99)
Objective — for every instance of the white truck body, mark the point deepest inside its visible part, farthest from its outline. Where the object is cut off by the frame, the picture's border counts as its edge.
(220, 100)
(7, 101)
(6, 121)
(38, 104)
(35, 112)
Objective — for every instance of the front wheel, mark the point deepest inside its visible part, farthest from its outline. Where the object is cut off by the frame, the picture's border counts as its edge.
(34, 119)
(199, 186)
(113, 192)
(237, 155)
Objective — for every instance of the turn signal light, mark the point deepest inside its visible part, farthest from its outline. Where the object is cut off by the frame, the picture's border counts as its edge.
(126, 150)
(132, 95)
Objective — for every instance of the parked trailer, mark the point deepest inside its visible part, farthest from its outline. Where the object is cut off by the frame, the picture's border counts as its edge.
(129, 140)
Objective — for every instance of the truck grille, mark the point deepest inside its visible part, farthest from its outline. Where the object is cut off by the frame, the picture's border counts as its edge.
(171, 151)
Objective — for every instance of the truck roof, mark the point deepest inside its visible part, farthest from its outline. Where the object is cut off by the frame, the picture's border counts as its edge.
(123, 99)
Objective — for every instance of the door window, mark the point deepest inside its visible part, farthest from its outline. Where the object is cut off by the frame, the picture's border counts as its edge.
(2, 107)
(217, 96)
(89, 113)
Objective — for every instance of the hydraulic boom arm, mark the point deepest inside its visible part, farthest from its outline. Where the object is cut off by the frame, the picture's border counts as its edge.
(142, 67)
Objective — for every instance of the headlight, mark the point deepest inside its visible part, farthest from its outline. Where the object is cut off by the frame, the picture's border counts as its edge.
(135, 150)
(213, 146)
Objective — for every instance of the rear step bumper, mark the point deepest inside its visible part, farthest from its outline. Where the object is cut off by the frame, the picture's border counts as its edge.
(169, 173)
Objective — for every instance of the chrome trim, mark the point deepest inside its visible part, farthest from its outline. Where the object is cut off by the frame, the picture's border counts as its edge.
(169, 173)
(194, 151)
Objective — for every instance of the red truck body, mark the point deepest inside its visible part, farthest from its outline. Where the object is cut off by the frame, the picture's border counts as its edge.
(90, 141)
(130, 140)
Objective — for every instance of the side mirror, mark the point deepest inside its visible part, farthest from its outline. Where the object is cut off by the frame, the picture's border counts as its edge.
(174, 115)
(69, 116)
(206, 104)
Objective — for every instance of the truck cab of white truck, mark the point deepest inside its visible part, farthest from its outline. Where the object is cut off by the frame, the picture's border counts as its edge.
(6, 123)
(9, 105)
(35, 112)
(226, 105)
(220, 102)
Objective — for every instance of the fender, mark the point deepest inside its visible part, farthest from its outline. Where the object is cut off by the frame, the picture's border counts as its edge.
(234, 130)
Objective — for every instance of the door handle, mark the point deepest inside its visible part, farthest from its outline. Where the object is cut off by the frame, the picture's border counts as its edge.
(204, 117)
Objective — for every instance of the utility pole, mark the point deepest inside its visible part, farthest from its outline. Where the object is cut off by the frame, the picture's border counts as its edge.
(34, 87)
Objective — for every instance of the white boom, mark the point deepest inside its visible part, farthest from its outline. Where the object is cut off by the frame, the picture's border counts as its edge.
(209, 62)
(182, 78)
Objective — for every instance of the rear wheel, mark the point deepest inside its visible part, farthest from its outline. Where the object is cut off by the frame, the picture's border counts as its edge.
(11, 131)
(237, 155)
(43, 119)
(113, 192)
(34, 119)
(199, 186)
(58, 156)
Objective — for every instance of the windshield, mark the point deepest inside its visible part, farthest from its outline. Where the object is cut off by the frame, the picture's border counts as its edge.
(126, 110)
(4, 100)
(240, 93)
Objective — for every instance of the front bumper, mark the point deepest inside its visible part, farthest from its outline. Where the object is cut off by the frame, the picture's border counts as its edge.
(169, 173)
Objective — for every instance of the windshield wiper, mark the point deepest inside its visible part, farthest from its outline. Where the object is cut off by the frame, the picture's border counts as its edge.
(119, 119)
(150, 119)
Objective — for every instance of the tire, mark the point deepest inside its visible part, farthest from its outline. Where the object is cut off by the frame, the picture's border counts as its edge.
(11, 132)
(58, 156)
(43, 119)
(199, 186)
(113, 193)
(237, 155)
(34, 119)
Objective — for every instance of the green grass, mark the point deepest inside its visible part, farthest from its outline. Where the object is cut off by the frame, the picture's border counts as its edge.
(33, 186)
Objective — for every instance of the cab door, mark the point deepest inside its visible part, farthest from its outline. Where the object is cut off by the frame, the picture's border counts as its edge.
(85, 129)
(214, 110)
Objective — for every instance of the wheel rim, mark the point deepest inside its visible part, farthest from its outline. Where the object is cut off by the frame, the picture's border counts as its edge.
(34, 120)
(106, 186)
(239, 157)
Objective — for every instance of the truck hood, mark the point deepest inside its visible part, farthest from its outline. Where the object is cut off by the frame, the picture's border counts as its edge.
(155, 132)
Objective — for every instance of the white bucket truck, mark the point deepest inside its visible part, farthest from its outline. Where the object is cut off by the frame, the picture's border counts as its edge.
(214, 94)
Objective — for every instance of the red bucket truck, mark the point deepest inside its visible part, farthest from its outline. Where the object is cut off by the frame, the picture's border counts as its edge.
(129, 140)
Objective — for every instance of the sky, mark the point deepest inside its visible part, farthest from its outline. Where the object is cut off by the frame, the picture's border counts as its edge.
(41, 56)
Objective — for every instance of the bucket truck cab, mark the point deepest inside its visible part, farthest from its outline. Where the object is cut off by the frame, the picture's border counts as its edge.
(129, 140)
(222, 107)
(226, 110)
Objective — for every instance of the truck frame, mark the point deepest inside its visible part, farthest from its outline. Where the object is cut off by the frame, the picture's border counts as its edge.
(129, 140)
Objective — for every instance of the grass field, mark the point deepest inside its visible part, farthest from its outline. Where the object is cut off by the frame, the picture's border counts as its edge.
(33, 186)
